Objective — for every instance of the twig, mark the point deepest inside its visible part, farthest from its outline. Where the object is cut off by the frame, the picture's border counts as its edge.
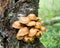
(52, 21)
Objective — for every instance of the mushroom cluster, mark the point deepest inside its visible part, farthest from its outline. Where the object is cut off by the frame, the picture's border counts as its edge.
(30, 27)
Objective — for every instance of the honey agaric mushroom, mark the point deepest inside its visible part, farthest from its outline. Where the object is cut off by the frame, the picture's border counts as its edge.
(32, 23)
(32, 16)
(38, 25)
(43, 29)
(38, 18)
(23, 31)
(33, 32)
(28, 39)
(19, 37)
(24, 20)
(29, 28)
(38, 34)
(42, 22)
(16, 25)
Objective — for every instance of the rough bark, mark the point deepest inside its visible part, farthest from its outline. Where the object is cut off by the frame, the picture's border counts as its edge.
(7, 33)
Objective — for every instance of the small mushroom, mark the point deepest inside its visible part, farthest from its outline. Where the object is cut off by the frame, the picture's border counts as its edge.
(24, 20)
(19, 37)
(42, 22)
(38, 18)
(43, 29)
(28, 39)
(32, 16)
(32, 23)
(38, 34)
(38, 25)
(23, 31)
(33, 32)
(16, 25)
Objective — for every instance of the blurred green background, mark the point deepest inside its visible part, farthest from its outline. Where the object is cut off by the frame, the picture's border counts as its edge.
(49, 11)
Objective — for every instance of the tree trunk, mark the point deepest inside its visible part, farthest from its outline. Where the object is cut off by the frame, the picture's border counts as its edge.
(22, 7)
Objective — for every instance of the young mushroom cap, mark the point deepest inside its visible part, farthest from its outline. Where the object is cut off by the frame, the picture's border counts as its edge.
(19, 37)
(23, 31)
(33, 32)
(42, 22)
(38, 25)
(24, 20)
(32, 23)
(43, 29)
(28, 39)
(38, 34)
(38, 18)
(32, 16)
(16, 25)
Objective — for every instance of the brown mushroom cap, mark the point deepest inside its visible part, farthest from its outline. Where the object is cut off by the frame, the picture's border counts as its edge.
(23, 31)
(38, 34)
(33, 32)
(19, 37)
(32, 16)
(16, 25)
(38, 18)
(32, 23)
(38, 25)
(43, 29)
(28, 39)
(42, 22)
(24, 20)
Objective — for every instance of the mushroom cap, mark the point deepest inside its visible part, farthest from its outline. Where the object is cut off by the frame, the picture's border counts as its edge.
(42, 22)
(38, 18)
(24, 20)
(23, 31)
(38, 25)
(33, 32)
(28, 39)
(16, 25)
(32, 16)
(32, 23)
(19, 37)
(38, 34)
(43, 29)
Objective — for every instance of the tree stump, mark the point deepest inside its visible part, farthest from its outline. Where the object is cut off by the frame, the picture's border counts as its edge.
(8, 34)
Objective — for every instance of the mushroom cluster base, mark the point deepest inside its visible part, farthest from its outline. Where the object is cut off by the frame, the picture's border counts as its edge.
(35, 44)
